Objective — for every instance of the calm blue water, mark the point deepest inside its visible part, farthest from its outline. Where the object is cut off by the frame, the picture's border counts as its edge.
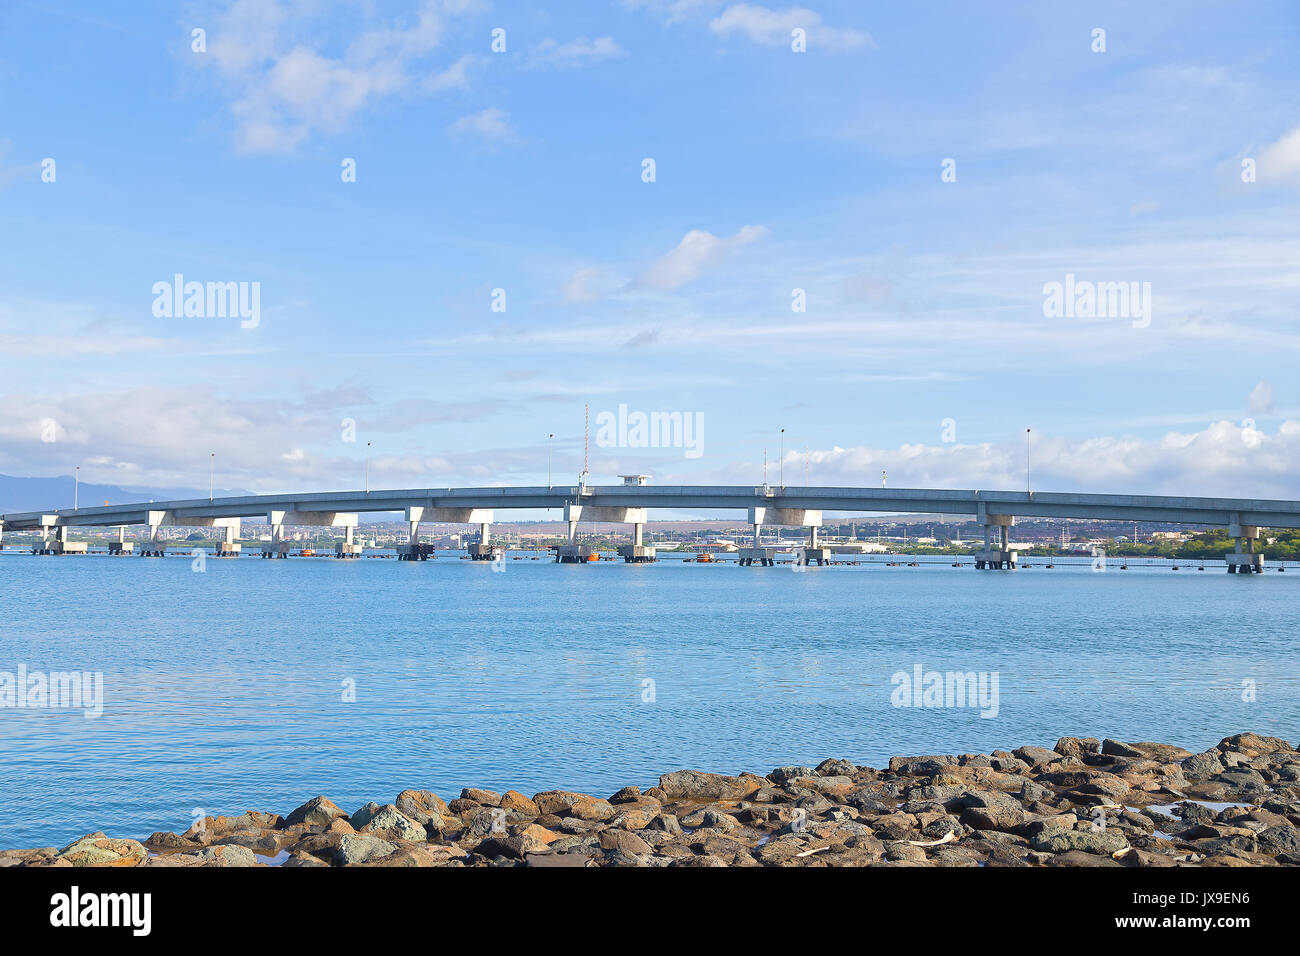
(223, 689)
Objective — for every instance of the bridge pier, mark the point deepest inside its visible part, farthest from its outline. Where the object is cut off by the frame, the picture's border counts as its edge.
(228, 547)
(121, 545)
(798, 517)
(483, 549)
(574, 553)
(347, 548)
(638, 552)
(1244, 559)
(814, 553)
(1001, 558)
(154, 547)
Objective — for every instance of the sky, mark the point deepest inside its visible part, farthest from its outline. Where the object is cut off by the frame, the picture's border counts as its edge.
(471, 227)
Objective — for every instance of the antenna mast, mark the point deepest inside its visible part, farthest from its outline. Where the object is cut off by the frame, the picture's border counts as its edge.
(586, 434)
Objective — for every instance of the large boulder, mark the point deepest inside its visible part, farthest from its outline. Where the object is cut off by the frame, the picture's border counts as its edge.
(566, 803)
(1104, 842)
(317, 812)
(96, 849)
(423, 806)
(389, 823)
(697, 785)
(1077, 746)
(227, 855)
(358, 848)
(1254, 745)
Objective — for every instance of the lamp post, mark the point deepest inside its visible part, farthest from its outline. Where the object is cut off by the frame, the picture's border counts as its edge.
(212, 470)
(783, 459)
(550, 457)
(76, 486)
(1029, 487)
(367, 467)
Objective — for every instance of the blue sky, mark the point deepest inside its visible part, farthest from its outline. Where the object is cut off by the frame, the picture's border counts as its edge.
(774, 171)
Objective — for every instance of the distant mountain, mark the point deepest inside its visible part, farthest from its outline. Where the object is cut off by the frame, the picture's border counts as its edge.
(37, 494)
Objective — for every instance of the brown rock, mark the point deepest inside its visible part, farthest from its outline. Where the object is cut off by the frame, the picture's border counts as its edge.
(318, 811)
(697, 785)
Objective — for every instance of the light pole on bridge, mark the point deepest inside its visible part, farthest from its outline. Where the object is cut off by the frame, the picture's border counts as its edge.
(1029, 487)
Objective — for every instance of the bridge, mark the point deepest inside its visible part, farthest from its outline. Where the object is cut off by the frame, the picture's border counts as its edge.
(629, 503)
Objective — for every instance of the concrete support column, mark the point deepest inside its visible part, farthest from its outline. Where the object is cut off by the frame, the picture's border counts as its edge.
(483, 533)
(120, 546)
(638, 534)
(1244, 558)
(812, 536)
(1001, 556)
(573, 531)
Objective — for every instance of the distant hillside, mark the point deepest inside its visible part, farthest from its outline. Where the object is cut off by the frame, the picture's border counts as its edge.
(36, 494)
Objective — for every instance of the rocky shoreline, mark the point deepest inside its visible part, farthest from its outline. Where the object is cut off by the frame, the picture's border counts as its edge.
(1084, 803)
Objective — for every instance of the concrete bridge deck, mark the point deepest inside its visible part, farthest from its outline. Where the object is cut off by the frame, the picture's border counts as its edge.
(788, 505)
(1220, 512)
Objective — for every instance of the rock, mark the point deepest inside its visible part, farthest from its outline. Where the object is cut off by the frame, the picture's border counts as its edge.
(697, 785)
(362, 817)
(358, 848)
(1280, 839)
(831, 767)
(783, 775)
(568, 803)
(665, 822)
(1107, 785)
(96, 849)
(1081, 858)
(1164, 753)
(423, 806)
(624, 840)
(1031, 792)
(1117, 748)
(169, 841)
(484, 798)
(1037, 756)
(1253, 745)
(1077, 746)
(515, 802)
(548, 859)
(390, 823)
(926, 766)
(227, 855)
(1202, 766)
(318, 811)
(1088, 841)
(515, 845)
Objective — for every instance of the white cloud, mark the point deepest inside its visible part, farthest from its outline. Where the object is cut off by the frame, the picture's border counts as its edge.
(491, 127)
(1262, 398)
(286, 88)
(1223, 459)
(574, 53)
(1281, 160)
(773, 27)
(698, 251)
(672, 11)
(578, 288)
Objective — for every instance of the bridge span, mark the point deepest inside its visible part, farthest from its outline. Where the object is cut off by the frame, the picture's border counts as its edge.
(629, 503)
